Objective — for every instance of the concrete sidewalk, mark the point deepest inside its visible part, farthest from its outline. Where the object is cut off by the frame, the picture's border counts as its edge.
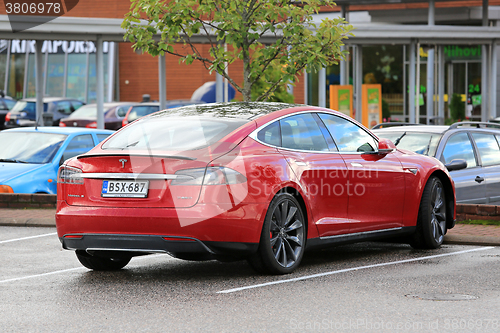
(466, 234)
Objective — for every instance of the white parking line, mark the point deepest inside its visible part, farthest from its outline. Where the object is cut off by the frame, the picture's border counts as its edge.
(30, 237)
(65, 270)
(43, 274)
(228, 291)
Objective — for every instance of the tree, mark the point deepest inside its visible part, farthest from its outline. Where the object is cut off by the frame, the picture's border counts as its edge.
(262, 34)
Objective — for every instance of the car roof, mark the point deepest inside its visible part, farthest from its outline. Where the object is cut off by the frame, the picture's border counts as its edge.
(414, 128)
(148, 104)
(465, 125)
(59, 130)
(49, 99)
(111, 104)
(238, 110)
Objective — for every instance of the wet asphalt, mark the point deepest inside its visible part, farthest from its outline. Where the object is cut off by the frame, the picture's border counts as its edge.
(366, 287)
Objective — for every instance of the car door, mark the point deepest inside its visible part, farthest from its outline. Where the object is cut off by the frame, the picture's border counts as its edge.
(78, 145)
(320, 171)
(470, 186)
(489, 158)
(376, 186)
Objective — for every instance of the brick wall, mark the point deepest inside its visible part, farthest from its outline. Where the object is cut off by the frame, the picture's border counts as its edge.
(478, 212)
(27, 200)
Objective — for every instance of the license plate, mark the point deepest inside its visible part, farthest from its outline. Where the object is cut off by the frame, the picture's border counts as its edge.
(125, 189)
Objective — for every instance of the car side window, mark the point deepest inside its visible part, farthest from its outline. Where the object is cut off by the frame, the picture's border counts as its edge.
(348, 136)
(101, 137)
(488, 148)
(302, 132)
(3, 106)
(459, 146)
(64, 107)
(271, 134)
(78, 145)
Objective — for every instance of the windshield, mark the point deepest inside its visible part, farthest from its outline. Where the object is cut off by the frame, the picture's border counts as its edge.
(29, 107)
(141, 111)
(172, 134)
(421, 143)
(29, 147)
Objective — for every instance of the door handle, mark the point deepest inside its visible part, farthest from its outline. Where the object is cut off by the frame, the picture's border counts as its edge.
(479, 179)
(357, 165)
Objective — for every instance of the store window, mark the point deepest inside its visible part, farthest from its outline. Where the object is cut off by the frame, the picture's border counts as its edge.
(92, 97)
(31, 88)
(55, 75)
(4, 45)
(16, 75)
(77, 72)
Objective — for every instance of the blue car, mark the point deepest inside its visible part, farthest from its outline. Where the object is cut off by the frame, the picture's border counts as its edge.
(30, 158)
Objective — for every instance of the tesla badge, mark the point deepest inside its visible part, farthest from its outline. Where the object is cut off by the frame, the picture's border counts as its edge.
(123, 162)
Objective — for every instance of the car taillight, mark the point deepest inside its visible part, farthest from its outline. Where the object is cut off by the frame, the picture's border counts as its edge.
(6, 189)
(61, 124)
(69, 175)
(92, 125)
(7, 116)
(209, 176)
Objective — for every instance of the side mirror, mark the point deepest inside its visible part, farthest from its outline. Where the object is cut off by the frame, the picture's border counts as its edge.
(385, 146)
(456, 165)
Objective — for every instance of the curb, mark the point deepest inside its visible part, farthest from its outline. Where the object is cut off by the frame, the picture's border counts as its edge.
(27, 222)
(471, 240)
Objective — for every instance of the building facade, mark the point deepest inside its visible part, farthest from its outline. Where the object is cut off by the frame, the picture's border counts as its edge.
(69, 66)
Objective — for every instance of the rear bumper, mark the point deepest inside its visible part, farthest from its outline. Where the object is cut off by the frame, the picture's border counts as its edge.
(182, 247)
(205, 228)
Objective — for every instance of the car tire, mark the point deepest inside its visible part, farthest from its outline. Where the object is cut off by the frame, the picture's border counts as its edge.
(431, 222)
(283, 237)
(100, 263)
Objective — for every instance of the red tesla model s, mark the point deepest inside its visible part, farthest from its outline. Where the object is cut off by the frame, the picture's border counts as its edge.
(256, 181)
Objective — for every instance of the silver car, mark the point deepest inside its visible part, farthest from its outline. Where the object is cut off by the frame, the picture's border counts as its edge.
(470, 150)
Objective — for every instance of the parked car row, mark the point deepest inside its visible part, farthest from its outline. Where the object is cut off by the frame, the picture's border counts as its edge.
(61, 111)
(470, 150)
(29, 163)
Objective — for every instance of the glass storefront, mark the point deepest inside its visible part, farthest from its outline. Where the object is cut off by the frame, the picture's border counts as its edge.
(4, 46)
(388, 65)
(65, 62)
(77, 65)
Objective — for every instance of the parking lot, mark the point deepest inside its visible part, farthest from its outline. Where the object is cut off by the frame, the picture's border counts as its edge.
(370, 287)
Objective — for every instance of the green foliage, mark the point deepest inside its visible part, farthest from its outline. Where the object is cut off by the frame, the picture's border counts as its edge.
(262, 34)
(280, 94)
(386, 113)
(457, 108)
(480, 222)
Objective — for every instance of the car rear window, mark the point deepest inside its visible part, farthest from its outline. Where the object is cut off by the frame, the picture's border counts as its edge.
(172, 133)
(28, 107)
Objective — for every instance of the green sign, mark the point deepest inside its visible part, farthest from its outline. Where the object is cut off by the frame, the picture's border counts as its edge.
(373, 96)
(476, 100)
(344, 100)
(453, 52)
